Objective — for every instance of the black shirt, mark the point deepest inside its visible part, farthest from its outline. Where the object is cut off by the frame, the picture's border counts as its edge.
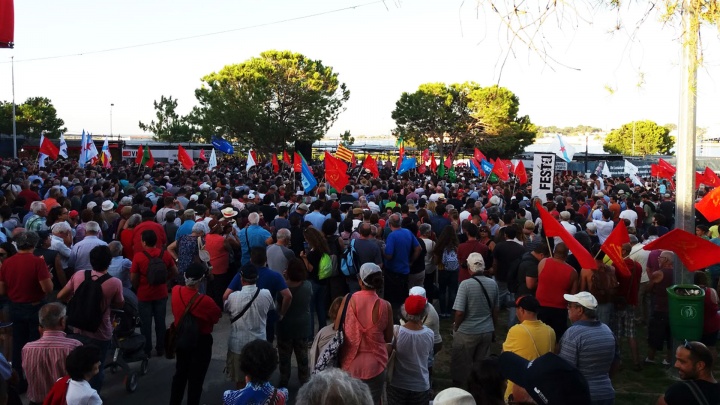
(680, 393)
(505, 254)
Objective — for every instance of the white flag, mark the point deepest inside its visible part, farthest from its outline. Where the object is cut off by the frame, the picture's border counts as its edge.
(213, 160)
(630, 168)
(63, 146)
(563, 149)
(82, 160)
(606, 170)
(42, 156)
(250, 161)
(636, 179)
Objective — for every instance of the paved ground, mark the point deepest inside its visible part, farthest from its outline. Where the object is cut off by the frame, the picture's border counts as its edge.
(154, 387)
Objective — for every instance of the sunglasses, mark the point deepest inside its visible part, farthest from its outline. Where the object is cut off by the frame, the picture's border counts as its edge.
(688, 346)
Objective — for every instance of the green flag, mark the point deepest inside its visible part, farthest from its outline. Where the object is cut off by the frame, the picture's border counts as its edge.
(451, 175)
(147, 158)
(493, 178)
(441, 171)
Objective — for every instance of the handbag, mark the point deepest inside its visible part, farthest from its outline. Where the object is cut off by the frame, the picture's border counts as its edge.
(203, 254)
(390, 368)
(330, 356)
(171, 332)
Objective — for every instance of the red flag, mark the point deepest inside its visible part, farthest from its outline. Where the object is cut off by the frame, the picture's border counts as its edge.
(254, 156)
(335, 172)
(371, 164)
(276, 165)
(479, 155)
(709, 206)
(7, 23)
(695, 252)
(553, 228)
(139, 156)
(449, 160)
(669, 169)
(202, 155)
(613, 247)
(655, 170)
(48, 148)
(421, 169)
(520, 173)
(699, 178)
(184, 158)
(297, 164)
(500, 168)
(286, 157)
(711, 178)
(353, 162)
(425, 155)
(433, 163)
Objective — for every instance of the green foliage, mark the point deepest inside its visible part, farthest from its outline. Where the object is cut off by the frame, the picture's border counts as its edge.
(269, 101)
(463, 115)
(35, 115)
(347, 139)
(170, 127)
(650, 139)
(569, 131)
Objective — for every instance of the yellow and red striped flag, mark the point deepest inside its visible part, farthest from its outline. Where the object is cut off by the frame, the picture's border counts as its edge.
(344, 153)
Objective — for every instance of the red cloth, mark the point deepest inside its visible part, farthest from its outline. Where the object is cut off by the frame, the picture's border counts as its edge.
(275, 164)
(711, 179)
(139, 155)
(613, 248)
(371, 164)
(335, 172)
(204, 308)
(147, 292)
(22, 274)
(185, 159)
(696, 253)
(709, 206)
(433, 163)
(667, 167)
(553, 282)
(219, 257)
(479, 155)
(553, 228)
(144, 226)
(520, 173)
(624, 281)
(286, 157)
(464, 250)
(49, 148)
(449, 160)
(297, 163)
(30, 196)
(126, 238)
(711, 318)
(501, 170)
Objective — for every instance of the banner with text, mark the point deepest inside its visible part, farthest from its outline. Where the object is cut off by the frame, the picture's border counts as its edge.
(543, 174)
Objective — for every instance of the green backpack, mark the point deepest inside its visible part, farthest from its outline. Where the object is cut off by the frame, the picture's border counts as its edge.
(326, 267)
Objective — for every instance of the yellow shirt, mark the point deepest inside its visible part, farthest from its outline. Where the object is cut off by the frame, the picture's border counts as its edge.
(529, 340)
(714, 232)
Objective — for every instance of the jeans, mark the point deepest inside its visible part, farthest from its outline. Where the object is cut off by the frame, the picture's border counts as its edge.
(217, 286)
(24, 317)
(605, 314)
(317, 306)
(149, 311)
(285, 348)
(104, 345)
(507, 300)
(448, 281)
(190, 369)
(270, 322)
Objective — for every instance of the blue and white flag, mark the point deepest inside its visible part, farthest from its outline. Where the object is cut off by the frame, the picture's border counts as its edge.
(475, 169)
(82, 160)
(407, 163)
(562, 149)
(223, 145)
(63, 146)
(486, 167)
(308, 180)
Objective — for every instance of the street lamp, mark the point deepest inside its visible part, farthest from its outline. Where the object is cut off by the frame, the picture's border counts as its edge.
(111, 108)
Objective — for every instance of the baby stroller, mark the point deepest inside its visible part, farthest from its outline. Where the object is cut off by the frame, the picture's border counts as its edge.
(127, 345)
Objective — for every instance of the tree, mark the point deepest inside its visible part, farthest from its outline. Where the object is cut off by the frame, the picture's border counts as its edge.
(347, 139)
(463, 115)
(649, 138)
(271, 100)
(170, 127)
(33, 117)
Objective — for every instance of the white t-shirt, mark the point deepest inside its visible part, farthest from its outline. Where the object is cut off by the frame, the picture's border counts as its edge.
(81, 393)
(414, 348)
(629, 215)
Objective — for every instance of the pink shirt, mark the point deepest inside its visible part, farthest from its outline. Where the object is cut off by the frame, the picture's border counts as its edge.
(112, 290)
(44, 362)
(364, 351)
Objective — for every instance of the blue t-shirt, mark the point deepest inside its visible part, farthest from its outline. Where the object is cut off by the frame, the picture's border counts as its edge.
(400, 244)
(267, 279)
(254, 234)
(255, 394)
(184, 229)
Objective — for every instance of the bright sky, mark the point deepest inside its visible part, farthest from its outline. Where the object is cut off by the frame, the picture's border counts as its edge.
(379, 50)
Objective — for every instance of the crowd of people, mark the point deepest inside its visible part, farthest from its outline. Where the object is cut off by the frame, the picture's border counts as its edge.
(359, 278)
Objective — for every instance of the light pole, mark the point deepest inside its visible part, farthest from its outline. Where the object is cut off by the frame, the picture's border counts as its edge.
(111, 108)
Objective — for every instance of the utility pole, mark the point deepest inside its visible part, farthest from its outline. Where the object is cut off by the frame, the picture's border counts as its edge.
(111, 108)
(12, 62)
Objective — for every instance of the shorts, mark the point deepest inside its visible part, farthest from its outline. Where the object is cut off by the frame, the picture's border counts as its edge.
(625, 322)
(659, 331)
(232, 367)
(467, 350)
(709, 339)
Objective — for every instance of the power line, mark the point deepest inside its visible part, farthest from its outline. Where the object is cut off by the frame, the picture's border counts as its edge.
(200, 35)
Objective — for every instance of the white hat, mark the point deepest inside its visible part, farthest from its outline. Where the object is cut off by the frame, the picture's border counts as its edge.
(91, 205)
(251, 196)
(368, 269)
(127, 200)
(418, 291)
(204, 186)
(107, 205)
(476, 262)
(453, 396)
(282, 204)
(228, 212)
(583, 298)
(494, 200)
(193, 197)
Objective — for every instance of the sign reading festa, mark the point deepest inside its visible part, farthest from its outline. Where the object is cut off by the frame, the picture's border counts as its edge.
(543, 174)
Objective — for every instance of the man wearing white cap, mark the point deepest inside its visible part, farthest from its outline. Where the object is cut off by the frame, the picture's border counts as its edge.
(590, 346)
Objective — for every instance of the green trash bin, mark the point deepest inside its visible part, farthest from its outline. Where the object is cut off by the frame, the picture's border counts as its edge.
(686, 304)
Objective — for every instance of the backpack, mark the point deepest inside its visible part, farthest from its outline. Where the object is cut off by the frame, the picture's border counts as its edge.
(58, 392)
(349, 265)
(86, 308)
(512, 275)
(450, 260)
(325, 267)
(604, 284)
(188, 331)
(157, 272)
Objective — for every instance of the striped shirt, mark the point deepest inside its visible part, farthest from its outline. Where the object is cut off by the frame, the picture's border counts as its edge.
(591, 347)
(44, 362)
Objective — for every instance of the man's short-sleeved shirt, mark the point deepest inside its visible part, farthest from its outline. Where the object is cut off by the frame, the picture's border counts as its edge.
(472, 302)
(680, 393)
(368, 251)
(112, 296)
(256, 236)
(278, 257)
(399, 245)
(147, 292)
(267, 279)
(22, 274)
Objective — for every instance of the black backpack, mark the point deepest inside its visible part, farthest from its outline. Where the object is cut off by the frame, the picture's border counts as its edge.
(157, 272)
(188, 329)
(86, 308)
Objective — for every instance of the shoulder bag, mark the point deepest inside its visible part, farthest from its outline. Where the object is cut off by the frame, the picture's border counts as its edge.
(247, 306)
(330, 355)
(171, 333)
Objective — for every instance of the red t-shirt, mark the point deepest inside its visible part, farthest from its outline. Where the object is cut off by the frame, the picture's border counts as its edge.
(30, 197)
(625, 283)
(464, 250)
(126, 238)
(144, 226)
(147, 292)
(204, 308)
(22, 274)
